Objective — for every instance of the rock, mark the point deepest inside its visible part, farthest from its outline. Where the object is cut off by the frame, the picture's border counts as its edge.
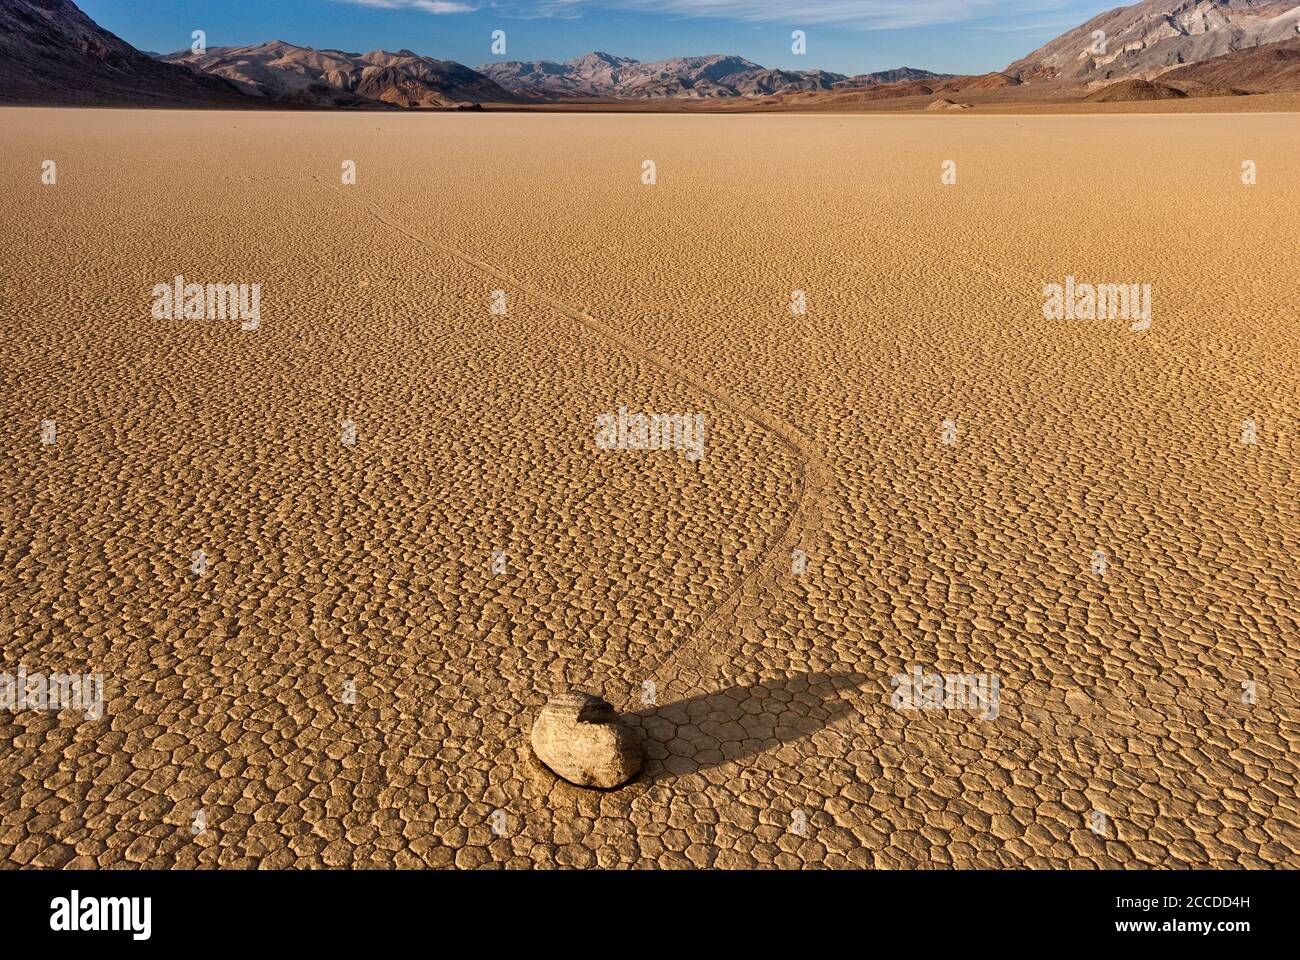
(581, 739)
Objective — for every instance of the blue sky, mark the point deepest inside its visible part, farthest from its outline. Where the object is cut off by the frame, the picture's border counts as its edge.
(846, 36)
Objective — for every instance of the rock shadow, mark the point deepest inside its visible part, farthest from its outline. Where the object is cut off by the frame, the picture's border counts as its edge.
(741, 721)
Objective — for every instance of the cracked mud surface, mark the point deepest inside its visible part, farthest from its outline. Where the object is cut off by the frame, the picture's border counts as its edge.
(1120, 693)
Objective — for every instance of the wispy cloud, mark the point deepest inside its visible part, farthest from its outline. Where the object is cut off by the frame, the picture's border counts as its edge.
(999, 15)
(428, 6)
(859, 14)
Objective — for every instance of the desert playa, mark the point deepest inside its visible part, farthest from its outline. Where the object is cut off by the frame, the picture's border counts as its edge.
(319, 650)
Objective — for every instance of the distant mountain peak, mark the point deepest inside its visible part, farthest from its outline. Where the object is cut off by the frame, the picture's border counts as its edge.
(599, 56)
(895, 75)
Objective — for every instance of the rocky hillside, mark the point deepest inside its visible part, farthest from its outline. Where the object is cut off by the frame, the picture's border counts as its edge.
(52, 53)
(1148, 38)
(1271, 68)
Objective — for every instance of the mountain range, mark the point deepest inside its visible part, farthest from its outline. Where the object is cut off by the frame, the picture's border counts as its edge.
(52, 53)
(606, 76)
(284, 72)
